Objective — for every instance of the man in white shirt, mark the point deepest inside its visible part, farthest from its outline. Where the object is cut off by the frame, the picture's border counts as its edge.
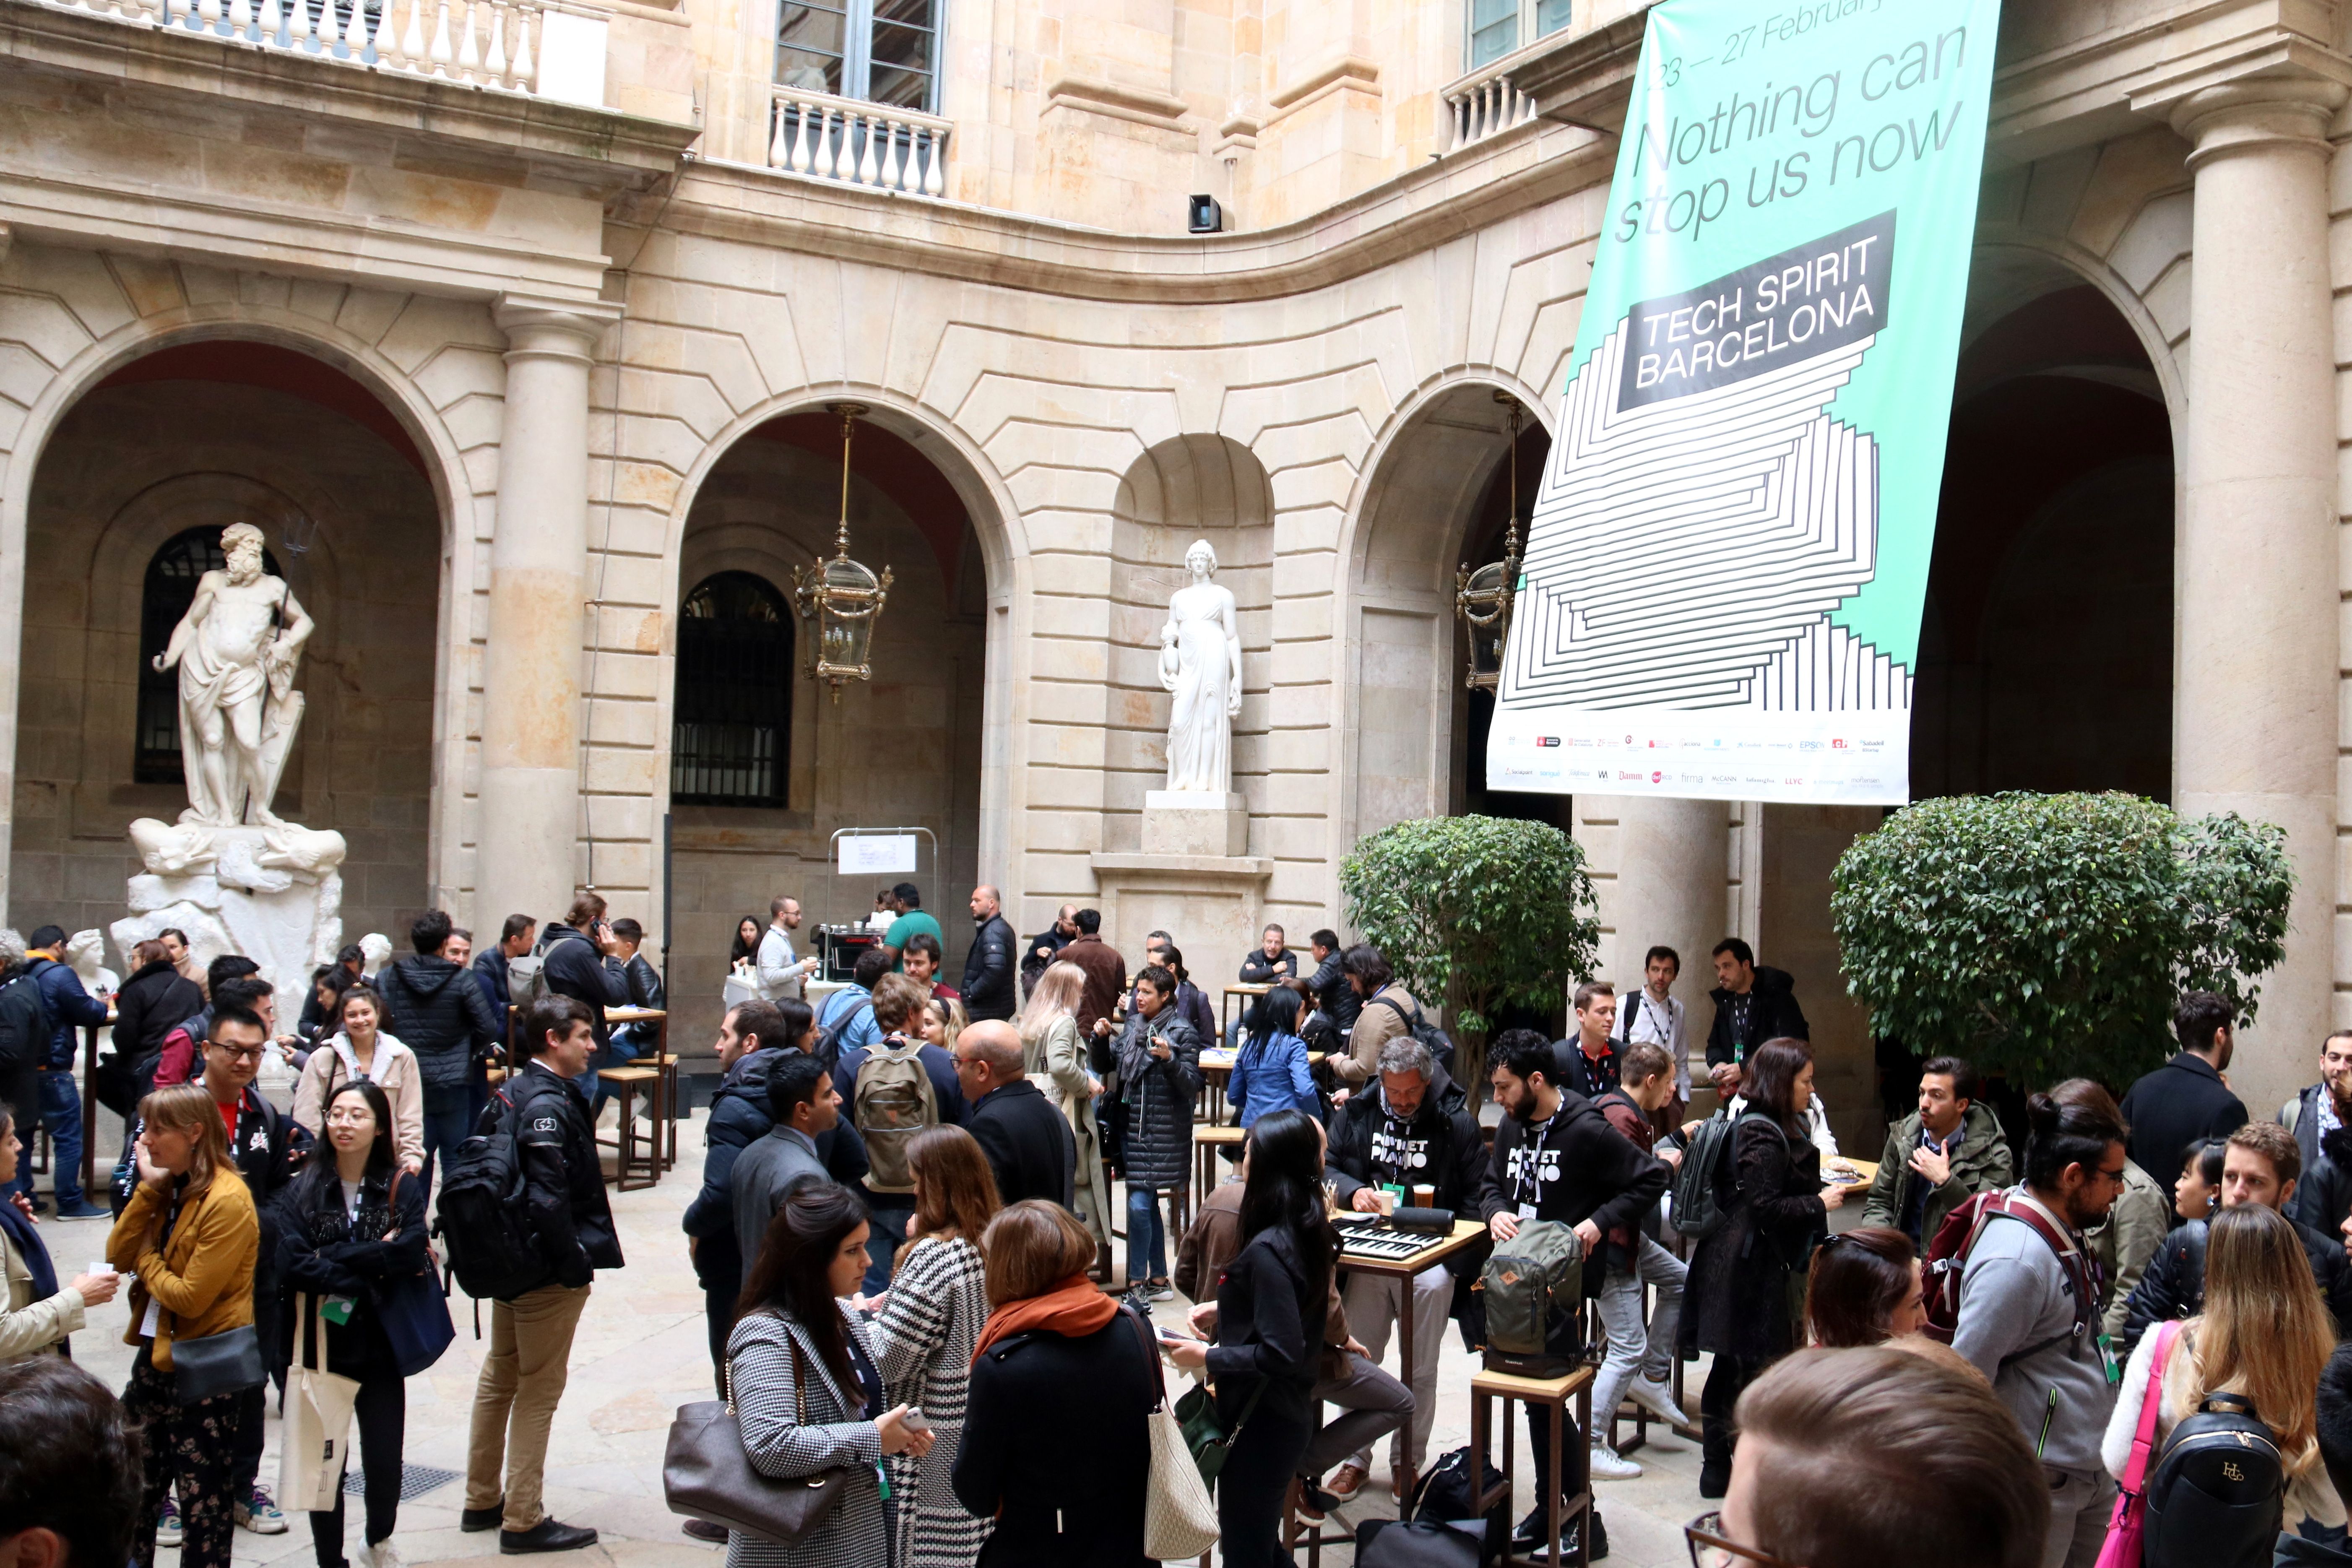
(782, 972)
(1650, 1014)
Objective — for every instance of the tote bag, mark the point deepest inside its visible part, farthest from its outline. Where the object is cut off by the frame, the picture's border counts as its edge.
(2129, 1521)
(317, 1423)
(1180, 1522)
(414, 1310)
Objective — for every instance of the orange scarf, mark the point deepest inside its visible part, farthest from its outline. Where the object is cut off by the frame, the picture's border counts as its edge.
(1072, 1308)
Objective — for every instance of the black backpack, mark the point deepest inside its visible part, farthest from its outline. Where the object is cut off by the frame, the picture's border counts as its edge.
(1705, 1184)
(1433, 1039)
(1446, 1492)
(483, 1221)
(828, 1039)
(2218, 1495)
(24, 1029)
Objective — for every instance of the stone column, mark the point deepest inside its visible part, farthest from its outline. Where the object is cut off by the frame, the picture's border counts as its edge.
(1670, 887)
(2254, 714)
(530, 821)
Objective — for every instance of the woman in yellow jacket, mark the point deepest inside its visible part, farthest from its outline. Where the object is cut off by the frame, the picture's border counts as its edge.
(190, 1237)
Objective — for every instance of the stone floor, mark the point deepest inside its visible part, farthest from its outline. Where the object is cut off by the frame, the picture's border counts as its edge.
(641, 1353)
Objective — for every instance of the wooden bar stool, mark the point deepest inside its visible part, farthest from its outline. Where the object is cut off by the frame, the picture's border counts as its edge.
(633, 1171)
(1569, 1440)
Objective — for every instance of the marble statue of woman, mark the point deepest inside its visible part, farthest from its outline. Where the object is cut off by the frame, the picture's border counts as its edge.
(1201, 662)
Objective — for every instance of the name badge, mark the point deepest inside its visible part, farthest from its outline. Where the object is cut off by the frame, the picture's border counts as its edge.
(1527, 1211)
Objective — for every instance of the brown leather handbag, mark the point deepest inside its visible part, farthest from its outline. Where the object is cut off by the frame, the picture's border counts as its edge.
(708, 1474)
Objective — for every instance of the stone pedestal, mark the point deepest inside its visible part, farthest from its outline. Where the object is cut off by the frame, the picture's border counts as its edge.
(1194, 822)
(1212, 904)
(236, 899)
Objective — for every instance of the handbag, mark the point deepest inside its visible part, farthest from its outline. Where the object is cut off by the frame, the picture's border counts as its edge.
(414, 1310)
(1180, 1521)
(708, 1474)
(225, 1362)
(315, 1444)
(2128, 1523)
(1205, 1433)
(1418, 1543)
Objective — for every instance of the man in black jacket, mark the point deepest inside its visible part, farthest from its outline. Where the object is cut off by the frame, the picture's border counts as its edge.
(2260, 1166)
(1410, 1127)
(2318, 1117)
(2185, 1101)
(530, 1336)
(1751, 1005)
(1557, 1158)
(1028, 1142)
(580, 958)
(1044, 948)
(447, 1021)
(515, 939)
(988, 988)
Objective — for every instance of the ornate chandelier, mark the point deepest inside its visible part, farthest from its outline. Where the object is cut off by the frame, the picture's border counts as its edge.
(841, 596)
(1483, 598)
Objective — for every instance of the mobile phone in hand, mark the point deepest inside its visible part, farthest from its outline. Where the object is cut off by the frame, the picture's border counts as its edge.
(915, 1421)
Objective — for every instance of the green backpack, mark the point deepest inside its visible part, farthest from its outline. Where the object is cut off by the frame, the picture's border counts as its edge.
(1527, 1282)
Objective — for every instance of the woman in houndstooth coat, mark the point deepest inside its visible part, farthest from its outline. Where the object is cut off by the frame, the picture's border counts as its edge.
(808, 1393)
(923, 1339)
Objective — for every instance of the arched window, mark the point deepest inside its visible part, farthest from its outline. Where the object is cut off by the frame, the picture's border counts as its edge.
(170, 589)
(733, 713)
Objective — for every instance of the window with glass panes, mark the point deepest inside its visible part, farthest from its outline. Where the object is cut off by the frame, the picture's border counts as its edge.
(731, 714)
(1499, 27)
(884, 51)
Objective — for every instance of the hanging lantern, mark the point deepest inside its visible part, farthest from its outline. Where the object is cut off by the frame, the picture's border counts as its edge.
(841, 596)
(1483, 598)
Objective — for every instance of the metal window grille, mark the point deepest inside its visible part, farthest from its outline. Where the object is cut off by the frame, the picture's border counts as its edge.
(732, 715)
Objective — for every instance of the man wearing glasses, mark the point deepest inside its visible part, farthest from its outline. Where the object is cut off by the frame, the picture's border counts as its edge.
(2028, 1315)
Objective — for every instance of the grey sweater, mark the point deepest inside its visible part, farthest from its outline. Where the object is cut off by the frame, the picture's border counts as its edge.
(2015, 1295)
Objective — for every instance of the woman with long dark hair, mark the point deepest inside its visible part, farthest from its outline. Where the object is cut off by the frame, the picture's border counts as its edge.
(923, 1337)
(190, 1235)
(743, 954)
(365, 1049)
(1864, 1288)
(1741, 1302)
(1271, 1307)
(154, 1001)
(352, 1225)
(808, 1395)
(1270, 1070)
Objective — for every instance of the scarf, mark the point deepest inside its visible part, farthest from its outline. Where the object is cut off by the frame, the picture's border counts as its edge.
(35, 1254)
(1072, 1308)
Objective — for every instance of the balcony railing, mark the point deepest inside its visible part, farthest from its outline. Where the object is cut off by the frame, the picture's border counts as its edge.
(879, 145)
(486, 43)
(1486, 109)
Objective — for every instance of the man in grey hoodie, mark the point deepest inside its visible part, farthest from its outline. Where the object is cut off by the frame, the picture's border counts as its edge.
(2029, 1316)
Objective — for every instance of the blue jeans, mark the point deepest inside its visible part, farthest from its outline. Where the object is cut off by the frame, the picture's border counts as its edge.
(60, 1109)
(1147, 1238)
(886, 1234)
(449, 1121)
(620, 1053)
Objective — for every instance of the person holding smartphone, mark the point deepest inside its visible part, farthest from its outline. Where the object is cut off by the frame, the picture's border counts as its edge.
(1159, 1080)
(582, 961)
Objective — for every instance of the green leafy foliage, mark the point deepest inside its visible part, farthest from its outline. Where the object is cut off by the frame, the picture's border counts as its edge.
(2050, 935)
(1476, 913)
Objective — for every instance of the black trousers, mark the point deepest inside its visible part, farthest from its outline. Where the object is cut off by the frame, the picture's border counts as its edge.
(1726, 1382)
(718, 1309)
(197, 1445)
(1565, 1337)
(380, 1415)
(1255, 1480)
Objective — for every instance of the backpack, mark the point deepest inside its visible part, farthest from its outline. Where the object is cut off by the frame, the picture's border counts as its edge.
(1947, 1260)
(1447, 1494)
(828, 1039)
(1529, 1282)
(893, 1100)
(24, 1029)
(483, 1221)
(2217, 1497)
(527, 979)
(1696, 1205)
(1433, 1039)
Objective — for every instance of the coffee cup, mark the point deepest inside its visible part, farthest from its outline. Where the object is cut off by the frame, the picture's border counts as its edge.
(1386, 1199)
(1424, 1196)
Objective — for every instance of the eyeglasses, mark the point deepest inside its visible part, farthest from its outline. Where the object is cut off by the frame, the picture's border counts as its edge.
(1710, 1548)
(238, 1053)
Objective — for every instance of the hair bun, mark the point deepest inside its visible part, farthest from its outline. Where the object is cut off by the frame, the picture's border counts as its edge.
(2042, 1112)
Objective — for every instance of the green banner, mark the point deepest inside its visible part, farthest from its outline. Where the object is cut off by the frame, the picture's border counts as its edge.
(1726, 568)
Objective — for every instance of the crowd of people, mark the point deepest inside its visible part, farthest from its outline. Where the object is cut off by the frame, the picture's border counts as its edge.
(904, 1235)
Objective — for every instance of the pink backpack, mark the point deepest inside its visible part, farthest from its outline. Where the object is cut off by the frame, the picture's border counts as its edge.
(2124, 1530)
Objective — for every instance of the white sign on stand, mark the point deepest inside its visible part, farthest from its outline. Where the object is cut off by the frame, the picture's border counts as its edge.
(876, 854)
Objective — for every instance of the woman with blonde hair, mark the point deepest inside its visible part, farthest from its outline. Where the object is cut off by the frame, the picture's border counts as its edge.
(1055, 1058)
(943, 1019)
(928, 1323)
(2265, 1334)
(190, 1237)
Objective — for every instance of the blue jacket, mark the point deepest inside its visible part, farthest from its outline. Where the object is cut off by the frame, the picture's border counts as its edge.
(856, 1004)
(70, 1007)
(1271, 1075)
(738, 1118)
(490, 969)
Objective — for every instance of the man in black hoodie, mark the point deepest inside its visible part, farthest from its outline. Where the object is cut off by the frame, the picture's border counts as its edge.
(1557, 1158)
(1751, 1005)
(523, 1376)
(1410, 1127)
(448, 1022)
(580, 958)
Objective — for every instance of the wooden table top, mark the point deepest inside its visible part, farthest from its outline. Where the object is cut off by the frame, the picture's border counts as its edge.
(1466, 1233)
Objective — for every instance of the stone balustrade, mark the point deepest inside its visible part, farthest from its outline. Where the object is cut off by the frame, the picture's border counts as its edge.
(1485, 108)
(880, 145)
(492, 44)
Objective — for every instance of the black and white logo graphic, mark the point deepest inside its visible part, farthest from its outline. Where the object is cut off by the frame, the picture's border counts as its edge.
(1531, 1170)
(545, 1125)
(1400, 1154)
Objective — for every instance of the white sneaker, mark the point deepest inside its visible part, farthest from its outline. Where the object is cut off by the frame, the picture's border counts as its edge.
(1609, 1465)
(383, 1554)
(1658, 1399)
